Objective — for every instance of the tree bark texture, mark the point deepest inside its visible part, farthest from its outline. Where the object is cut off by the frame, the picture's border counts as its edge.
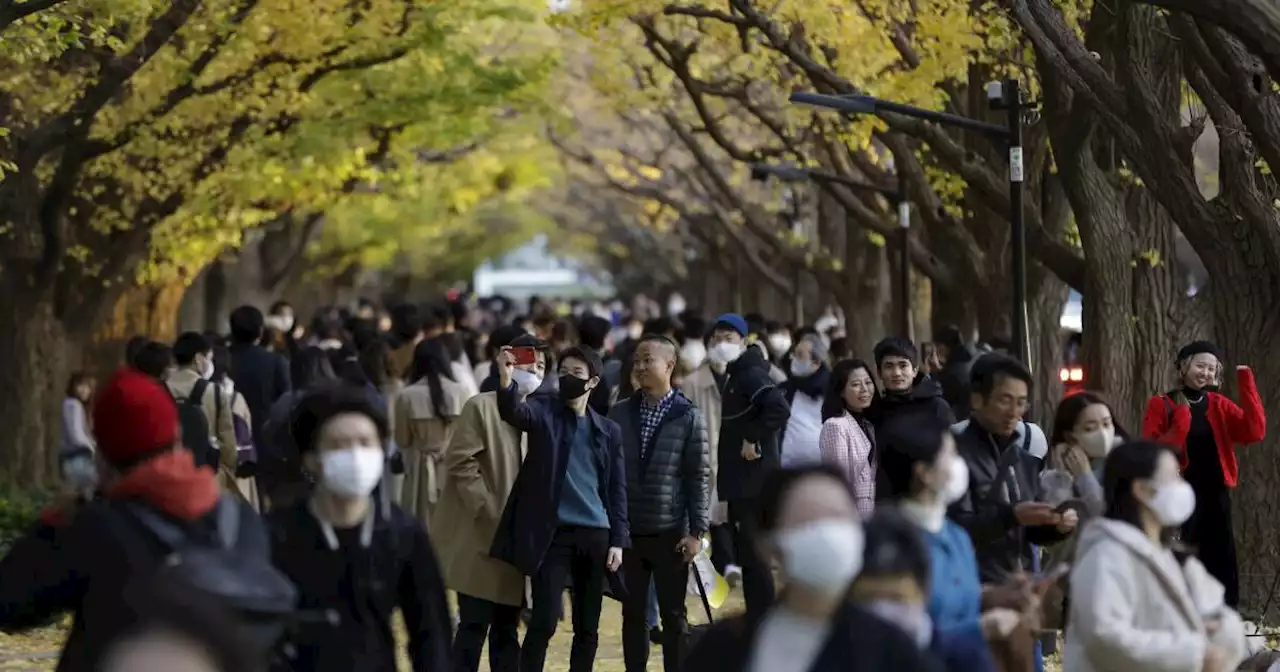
(1236, 234)
(39, 357)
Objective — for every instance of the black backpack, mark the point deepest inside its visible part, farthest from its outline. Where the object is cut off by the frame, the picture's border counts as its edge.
(262, 599)
(195, 426)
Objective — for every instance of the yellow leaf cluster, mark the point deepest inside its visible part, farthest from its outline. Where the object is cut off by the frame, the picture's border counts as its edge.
(379, 111)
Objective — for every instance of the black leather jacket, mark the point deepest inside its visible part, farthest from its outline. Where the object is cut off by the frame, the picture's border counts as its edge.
(986, 511)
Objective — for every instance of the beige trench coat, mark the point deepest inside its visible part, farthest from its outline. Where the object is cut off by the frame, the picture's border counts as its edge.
(422, 435)
(221, 426)
(481, 463)
(700, 387)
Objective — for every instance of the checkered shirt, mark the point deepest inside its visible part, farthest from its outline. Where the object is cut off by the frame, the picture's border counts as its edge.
(651, 415)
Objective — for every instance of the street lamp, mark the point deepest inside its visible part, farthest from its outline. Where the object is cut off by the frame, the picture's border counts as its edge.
(1007, 96)
(897, 196)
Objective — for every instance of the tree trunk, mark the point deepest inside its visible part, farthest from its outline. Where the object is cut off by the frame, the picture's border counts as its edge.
(215, 296)
(38, 356)
(867, 300)
(1045, 300)
(1255, 507)
(149, 311)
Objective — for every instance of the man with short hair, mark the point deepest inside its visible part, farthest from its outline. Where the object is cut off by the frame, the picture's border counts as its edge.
(482, 461)
(189, 383)
(907, 399)
(664, 438)
(406, 333)
(593, 331)
(956, 358)
(154, 359)
(1000, 510)
(565, 522)
(753, 412)
(262, 377)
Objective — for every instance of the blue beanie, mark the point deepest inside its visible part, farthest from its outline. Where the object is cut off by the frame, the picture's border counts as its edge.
(732, 321)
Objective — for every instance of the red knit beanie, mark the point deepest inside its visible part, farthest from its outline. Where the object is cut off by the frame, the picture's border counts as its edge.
(133, 415)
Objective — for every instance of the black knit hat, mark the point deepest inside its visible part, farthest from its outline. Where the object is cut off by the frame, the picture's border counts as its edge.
(1198, 348)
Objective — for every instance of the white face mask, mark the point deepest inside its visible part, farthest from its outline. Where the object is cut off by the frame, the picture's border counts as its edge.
(779, 344)
(693, 354)
(526, 381)
(1098, 443)
(351, 472)
(675, 305)
(634, 332)
(724, 353)
(914, 620)
(957, 481)
(1174, 503)
(799, 368)
(206, 371)
(824, 555)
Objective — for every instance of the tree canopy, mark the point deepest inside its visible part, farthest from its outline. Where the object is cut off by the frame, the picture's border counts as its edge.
(168, 131)
(142, 138)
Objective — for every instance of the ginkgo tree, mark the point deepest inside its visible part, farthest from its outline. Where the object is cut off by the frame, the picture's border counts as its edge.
(736, 79)
(144, 137)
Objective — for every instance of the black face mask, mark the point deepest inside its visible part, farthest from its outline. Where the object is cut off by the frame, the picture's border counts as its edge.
(572, 387)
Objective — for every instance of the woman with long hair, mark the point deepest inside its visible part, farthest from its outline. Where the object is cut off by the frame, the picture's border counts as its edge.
(1137, 601)
(1084, 432)
(76, 455)
(424, 411)
(847, 441)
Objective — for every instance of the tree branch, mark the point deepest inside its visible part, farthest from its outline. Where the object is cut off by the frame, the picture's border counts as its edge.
(1255, 22)
(11, 12)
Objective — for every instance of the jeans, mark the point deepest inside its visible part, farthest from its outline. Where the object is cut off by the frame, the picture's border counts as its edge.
(654, 561)
(757, 578)
(576, 557)
(479, 618)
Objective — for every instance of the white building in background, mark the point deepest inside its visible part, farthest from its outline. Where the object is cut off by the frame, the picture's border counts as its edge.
(535, 269)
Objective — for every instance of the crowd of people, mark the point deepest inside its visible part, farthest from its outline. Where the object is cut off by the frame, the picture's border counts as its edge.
(270, 499)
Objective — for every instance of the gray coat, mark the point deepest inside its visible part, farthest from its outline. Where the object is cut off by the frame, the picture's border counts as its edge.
(670, 488)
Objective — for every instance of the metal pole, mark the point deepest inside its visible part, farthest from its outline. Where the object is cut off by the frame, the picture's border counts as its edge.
(1018, 232)
(904, 257)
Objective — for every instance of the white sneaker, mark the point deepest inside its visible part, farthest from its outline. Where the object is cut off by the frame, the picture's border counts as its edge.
(733, 575)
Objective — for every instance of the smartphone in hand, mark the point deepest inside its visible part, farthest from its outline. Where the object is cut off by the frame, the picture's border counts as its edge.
(524, 356)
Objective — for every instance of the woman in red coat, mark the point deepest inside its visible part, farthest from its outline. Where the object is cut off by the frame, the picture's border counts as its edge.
(1205, 427)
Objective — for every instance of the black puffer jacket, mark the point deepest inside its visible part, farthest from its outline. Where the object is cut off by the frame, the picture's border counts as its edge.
(671, 487)
(754, 410)
(954, 379)
(895, 415)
